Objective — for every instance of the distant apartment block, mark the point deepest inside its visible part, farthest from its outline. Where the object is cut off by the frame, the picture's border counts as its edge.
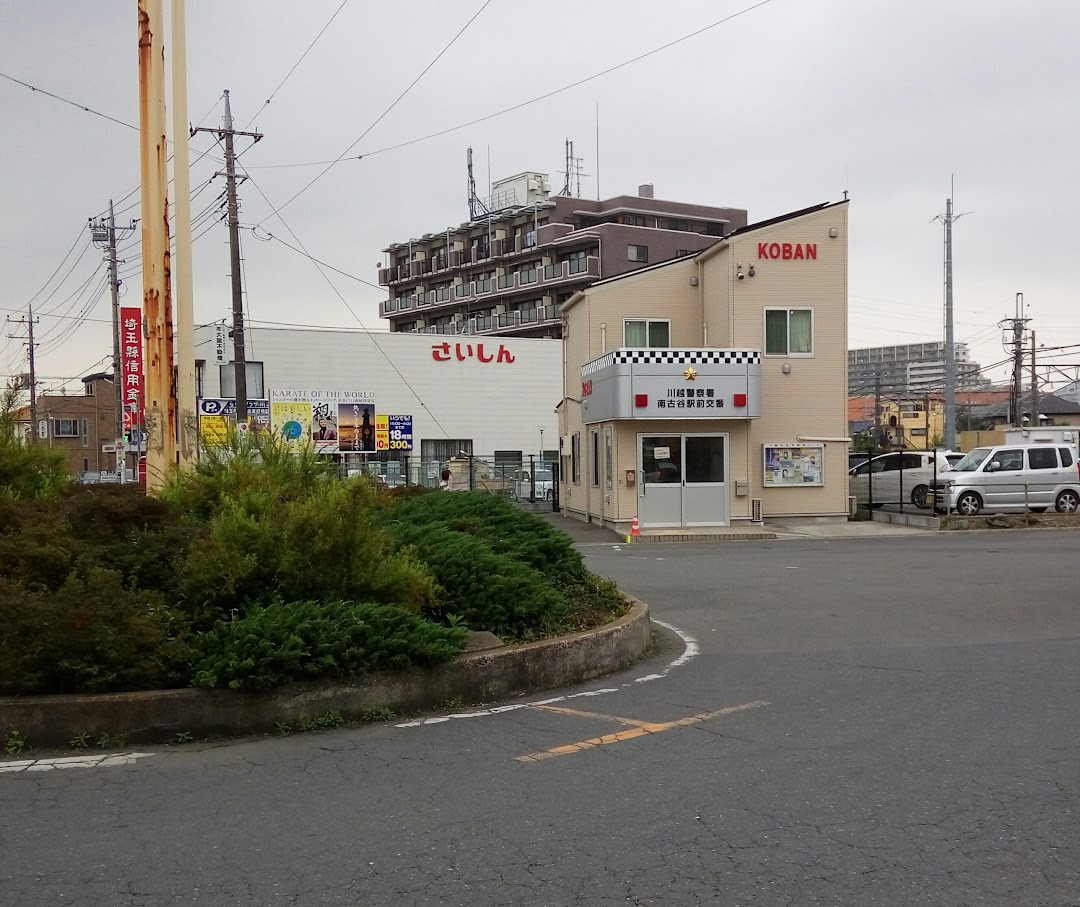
(524, 252)
(915, 368)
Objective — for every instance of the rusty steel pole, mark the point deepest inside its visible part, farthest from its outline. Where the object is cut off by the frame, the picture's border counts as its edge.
(187, 436)
(160, 403)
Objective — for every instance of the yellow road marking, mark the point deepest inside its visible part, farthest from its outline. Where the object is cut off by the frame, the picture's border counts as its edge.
(578, 713)
(636, 729)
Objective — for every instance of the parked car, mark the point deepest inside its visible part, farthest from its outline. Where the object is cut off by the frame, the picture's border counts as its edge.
(1011, 479)
(903, 475)
(524, 488)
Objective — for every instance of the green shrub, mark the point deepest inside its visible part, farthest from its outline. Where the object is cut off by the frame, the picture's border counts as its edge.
(90, 635)
(484, 589)
(506, 528)
(327, 546)
(277, 643)
(247, 471)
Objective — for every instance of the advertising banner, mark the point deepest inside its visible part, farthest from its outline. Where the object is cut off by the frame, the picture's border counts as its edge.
(400, 432)
(131, 365)
(359, 426)
(334, 421)
(793, 465)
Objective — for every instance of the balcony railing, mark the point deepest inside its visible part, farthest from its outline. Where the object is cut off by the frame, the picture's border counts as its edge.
(505, 323)
(506, 281)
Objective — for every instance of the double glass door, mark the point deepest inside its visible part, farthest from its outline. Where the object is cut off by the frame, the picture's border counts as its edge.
(682, 480)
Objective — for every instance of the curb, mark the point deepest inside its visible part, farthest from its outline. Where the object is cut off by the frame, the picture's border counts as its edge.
(157, 716)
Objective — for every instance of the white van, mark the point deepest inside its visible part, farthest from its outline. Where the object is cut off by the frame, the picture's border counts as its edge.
(1011, 479)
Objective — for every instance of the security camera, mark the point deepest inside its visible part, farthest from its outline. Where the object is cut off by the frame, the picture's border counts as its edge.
(740, 275)
(751, 272)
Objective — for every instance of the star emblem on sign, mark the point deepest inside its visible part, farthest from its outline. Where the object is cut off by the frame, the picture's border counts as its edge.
(690, 374)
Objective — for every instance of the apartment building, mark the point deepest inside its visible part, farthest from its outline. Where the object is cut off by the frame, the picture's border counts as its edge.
(525, 252)
(914, 368)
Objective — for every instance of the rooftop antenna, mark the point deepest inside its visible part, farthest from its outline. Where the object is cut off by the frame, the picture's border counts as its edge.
(568, 168)
(476, 207)
(573, 173)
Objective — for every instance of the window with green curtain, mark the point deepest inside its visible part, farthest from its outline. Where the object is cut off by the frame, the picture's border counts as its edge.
(776, 331)
(800, 331)
(635, 334)
(659, 334)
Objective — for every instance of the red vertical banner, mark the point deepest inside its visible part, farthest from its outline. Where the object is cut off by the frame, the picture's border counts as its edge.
(131, 366)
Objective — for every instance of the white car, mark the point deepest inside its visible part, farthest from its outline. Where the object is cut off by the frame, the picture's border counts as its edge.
(524, 488)
(902, 476)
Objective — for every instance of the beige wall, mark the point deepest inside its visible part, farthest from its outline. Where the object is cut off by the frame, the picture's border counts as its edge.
(809, 402)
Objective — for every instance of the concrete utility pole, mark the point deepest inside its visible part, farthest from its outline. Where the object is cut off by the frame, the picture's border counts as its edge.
(950, 346)
(1016, 397)
(31, 346)
(188, 438)
(239, 347)
(160, 401)
(103, 233)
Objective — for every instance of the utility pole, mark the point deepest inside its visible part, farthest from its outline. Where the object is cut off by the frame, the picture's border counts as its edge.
(29, 321)
(156, 258)
(239, 349)
(187, 420)
(1034, 387)
(950, 346)
(103, 234)
(877, 407)
(1017, 343)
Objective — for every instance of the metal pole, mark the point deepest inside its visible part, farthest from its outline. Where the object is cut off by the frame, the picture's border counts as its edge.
(239, 348)
(185, 313)
(157, 298)
(33, 375)
(1018, 359)
(950, 348)
(1034, 387)
(114, 284)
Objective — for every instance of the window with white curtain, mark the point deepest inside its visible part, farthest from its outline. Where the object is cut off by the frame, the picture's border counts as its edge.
(789, 332)
(644, 333)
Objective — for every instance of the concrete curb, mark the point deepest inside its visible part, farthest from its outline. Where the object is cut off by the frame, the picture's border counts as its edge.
(159, 715)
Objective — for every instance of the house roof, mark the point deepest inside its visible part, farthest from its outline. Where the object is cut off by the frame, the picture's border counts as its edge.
(860, 408)
(1049, 405)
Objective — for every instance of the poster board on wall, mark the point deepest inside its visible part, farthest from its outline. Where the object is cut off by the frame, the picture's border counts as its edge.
(793, 465)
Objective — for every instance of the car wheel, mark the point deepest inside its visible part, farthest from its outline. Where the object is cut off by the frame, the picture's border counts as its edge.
(969, 504)
(918, 496)
(1067, 502)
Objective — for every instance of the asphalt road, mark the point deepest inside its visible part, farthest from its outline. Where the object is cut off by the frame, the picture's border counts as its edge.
(889, 720)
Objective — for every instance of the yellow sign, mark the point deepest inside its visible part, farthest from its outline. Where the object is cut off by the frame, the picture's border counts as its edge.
(382, 432)
(214, 430)
(292, 419)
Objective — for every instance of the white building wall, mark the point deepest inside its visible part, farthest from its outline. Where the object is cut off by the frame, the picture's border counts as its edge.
(498, 405)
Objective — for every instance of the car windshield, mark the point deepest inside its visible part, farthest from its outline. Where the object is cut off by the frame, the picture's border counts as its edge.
(973, 460)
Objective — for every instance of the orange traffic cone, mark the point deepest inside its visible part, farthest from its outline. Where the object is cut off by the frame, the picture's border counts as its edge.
(635, 531)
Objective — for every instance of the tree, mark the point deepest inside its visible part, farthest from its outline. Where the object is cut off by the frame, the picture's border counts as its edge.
(26, 470)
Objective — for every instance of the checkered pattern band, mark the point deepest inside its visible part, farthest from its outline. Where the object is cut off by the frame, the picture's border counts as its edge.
(672, 357)
(686, 357)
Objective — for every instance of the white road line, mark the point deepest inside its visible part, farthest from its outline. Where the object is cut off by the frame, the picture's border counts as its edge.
(96, 761)
(690, 651)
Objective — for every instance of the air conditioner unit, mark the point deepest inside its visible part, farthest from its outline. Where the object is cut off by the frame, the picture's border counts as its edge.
(756, 514)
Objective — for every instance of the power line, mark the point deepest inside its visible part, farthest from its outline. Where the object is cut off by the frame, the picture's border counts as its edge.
(75, 104)
(273, 94)
(393, 104)
(337, 292)
(317, 261)
(506, 110)
(58, 267)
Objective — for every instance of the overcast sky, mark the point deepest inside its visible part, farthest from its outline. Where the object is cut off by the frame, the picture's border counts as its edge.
(785, 106)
